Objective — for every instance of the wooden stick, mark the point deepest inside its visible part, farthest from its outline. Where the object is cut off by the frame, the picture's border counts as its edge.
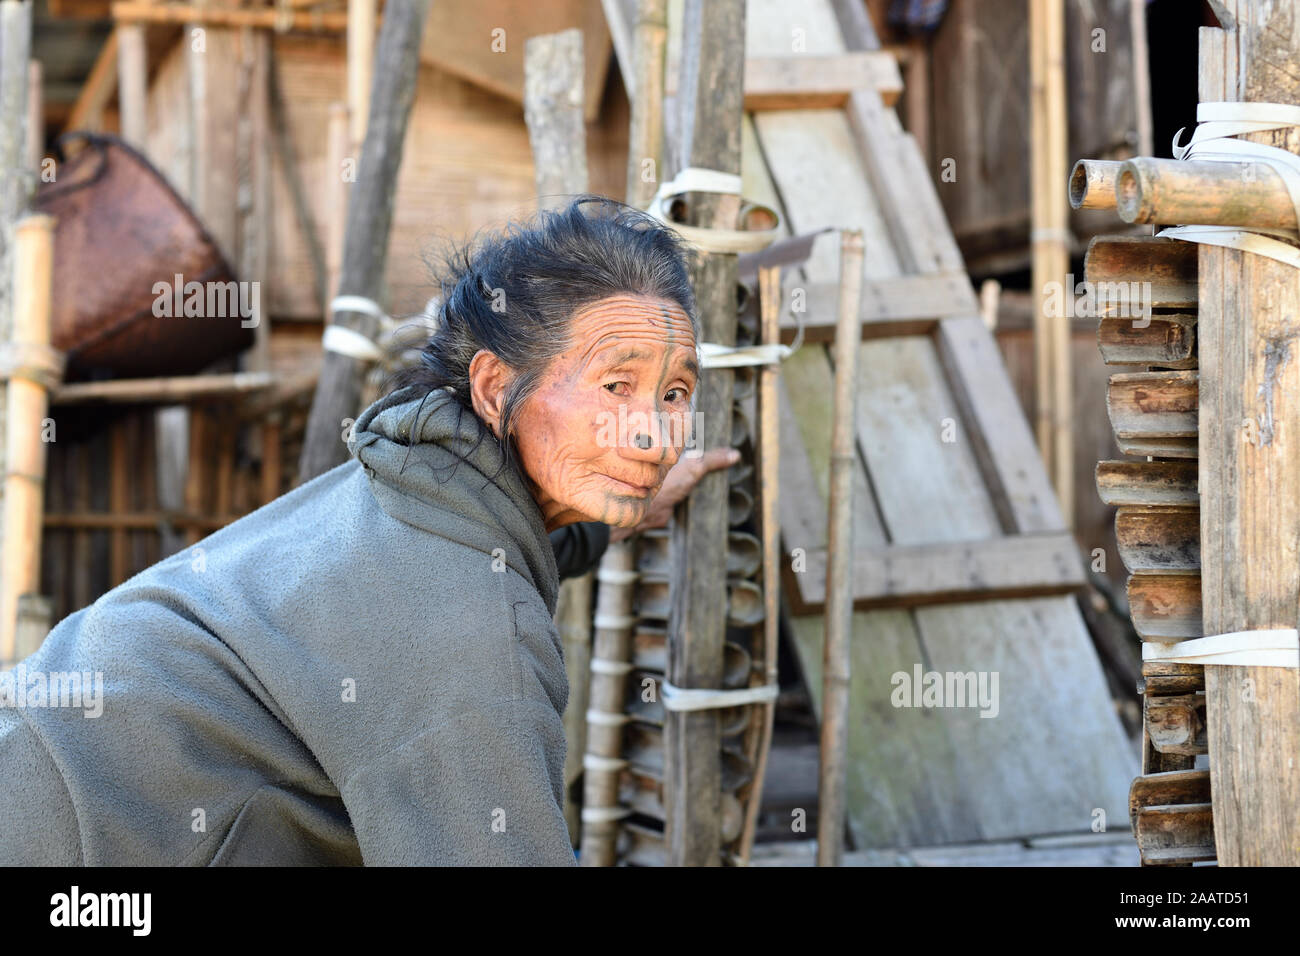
(769, 282)
(370, 216)
(162, 391)
(645, 155)
(711, 93)
(831, 803)
(35, 117)
(320, 21)
(132, 77)
(1050, 244)
(1092, 184)
(119, 501)
(1203, 193)
(24, 479)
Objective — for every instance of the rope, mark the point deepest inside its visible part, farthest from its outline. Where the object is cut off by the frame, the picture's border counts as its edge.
(1267, 647)
(1217, 123)
(678, 698)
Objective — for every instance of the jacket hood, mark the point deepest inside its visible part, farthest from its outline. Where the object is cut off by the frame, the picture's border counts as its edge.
(451, 480)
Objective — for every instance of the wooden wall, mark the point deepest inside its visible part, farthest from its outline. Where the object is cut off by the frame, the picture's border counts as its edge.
(979, 118)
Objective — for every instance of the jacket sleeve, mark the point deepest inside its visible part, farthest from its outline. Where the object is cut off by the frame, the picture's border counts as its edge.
(476, 790)
(578, 547)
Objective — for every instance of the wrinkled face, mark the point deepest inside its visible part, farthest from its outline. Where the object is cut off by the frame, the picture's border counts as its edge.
(612, 414)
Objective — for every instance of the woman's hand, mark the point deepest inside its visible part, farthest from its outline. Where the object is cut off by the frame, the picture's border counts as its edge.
(677, 485)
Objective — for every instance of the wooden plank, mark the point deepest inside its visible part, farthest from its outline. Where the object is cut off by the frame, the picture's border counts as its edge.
(180, 388)
(1166, 607)
(819, 81)
(1250, 477)
(1168, 677)
(998, 431)
(1176, 723)
(1164, 270)
(1168, 341)
(899, 305)
(1158, 447)
(1153, 404)
(1169, 483)
(912, 575)
(1159, 540)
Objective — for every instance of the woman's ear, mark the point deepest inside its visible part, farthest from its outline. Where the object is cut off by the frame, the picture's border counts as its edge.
(488, 379)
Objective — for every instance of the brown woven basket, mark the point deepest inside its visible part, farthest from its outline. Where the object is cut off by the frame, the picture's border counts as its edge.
(120, 229)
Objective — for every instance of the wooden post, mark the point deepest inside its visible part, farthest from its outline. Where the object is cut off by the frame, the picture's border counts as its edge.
(647, 134)
(361, 68)
(35, 117)
(553, 98)
(370, 215)
(831, 801)
(553, 111)
(132, 77)
(713, 66)
(27, 404)
(1049, 239)
(1250, 473)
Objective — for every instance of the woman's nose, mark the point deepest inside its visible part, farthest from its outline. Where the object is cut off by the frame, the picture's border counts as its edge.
(650, 436)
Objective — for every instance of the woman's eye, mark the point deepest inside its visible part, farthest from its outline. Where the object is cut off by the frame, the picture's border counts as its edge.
(680, 393)
(613, 387)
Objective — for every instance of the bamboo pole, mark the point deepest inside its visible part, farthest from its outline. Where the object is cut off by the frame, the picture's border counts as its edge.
(713, 63)
(1141, 76)
(1203, 193)
(831, 803)
(1092, 184)
(1049, 240)
(361, 68)
(769, 297)
(24, 477)
(269, 19)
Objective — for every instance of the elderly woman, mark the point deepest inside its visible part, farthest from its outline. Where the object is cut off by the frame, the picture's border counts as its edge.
(366, 669)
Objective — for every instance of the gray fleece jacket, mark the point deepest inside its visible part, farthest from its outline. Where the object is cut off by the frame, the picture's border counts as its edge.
(365, 670)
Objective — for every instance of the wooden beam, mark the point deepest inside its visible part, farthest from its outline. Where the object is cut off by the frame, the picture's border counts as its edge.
(1182, 833)
(901, 305)
(710, 129)
(162, 391)
(817, 82)
(1250, 473)
(132, 82)
(1171, 788)
(1019, 565)
(1176, 723)
(320, 21)
(553, 98)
